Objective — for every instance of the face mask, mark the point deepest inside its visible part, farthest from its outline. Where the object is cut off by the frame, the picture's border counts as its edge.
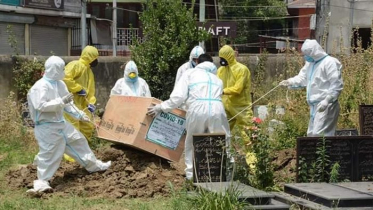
(132, 75)
(194, 64)
(94, 63)
(133, 80)
(309, 59)
(223, 62)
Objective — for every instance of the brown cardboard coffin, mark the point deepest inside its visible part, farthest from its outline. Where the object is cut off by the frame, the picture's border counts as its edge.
(125, 121)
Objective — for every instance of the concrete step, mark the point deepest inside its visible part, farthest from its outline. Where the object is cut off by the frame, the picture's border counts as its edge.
(248, 194)
(274, 205)
(329, 195)
(365, 187)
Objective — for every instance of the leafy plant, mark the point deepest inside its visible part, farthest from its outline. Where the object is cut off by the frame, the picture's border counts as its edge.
(26, 73)
(227, 200)
(168, 39)
(334, 174)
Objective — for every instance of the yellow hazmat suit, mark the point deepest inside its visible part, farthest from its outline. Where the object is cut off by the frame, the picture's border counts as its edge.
(236, 79)
(78, 76)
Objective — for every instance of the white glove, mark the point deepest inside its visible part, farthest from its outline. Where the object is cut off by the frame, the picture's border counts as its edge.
(67, 98)
(323, 104)
(85, 118)
(154, 110)
(284, 83)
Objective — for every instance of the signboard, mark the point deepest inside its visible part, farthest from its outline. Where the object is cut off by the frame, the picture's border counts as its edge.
(226, 29)
(353, 153)
(10, 2)
(366, 119)
(209, 162)
(166, 130)
(45, 4)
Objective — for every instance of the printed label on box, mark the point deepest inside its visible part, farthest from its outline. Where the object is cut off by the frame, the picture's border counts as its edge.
(166, 130)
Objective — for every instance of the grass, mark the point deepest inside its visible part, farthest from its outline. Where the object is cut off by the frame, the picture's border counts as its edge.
(14, 153)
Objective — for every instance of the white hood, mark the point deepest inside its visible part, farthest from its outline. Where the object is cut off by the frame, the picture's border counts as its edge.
(54, 68)
(208, 66)
(311, 48)
(130, 67)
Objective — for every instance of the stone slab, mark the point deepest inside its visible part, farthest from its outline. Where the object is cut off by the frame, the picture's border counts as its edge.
(330, 195)
(274, 205)
(300, 203)
(365, 187)
(248, 194)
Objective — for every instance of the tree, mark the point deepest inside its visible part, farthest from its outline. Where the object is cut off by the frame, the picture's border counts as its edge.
(254, 17)
(170, 33)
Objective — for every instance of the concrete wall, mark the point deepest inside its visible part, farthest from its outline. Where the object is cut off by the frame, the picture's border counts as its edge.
(108, 72)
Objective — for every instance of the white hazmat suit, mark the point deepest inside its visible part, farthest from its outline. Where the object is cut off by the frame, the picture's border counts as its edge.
(194, 54)
(55, 136)
(321, 75)
(201, 91)
(127, 86)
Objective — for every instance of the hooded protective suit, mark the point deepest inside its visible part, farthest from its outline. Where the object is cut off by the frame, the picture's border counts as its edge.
(236, 79)
(194, 54)
(127, 86)
(201, 90)
(323, 80)
(54, 135)
(79, 76)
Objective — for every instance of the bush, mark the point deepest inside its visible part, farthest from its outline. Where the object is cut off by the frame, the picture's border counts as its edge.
(168, 39)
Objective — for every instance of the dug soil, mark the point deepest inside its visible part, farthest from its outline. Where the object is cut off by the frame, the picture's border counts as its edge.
(132, 174)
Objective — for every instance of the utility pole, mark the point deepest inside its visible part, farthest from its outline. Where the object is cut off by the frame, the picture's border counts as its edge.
(114, 28)
(202, 18)
(83, 24)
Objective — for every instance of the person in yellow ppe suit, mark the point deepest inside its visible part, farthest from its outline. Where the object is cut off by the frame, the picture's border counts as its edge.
(80, 81)
(236, 79)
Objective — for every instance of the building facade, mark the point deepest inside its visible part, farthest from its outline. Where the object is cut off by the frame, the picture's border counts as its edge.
(35, 27)
(338, 19)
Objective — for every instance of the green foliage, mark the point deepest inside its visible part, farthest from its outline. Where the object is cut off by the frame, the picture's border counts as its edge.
(334, 174)
(26, 73)
(227, 200)
(168, 39)
(257, 169)
(248, 31)
(322, 161)
(12, 39)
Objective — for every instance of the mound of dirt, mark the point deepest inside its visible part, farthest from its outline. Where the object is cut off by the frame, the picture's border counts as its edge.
(133, 174)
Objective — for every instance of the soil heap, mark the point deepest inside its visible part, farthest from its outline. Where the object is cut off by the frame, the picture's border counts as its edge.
(133, 173)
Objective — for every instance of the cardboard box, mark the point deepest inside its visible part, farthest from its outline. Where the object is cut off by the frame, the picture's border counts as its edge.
(125, 121)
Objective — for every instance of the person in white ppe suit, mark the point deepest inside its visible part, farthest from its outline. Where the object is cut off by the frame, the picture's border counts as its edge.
(321, 75)
(201, 90)
(193, 57)
(48, 99)
(131, 84)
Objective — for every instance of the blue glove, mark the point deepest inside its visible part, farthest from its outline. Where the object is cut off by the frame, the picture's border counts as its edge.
(91, 108)
(82, 93)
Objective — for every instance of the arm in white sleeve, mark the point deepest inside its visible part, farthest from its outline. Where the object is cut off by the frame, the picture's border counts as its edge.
(70, 108)
(178, 95)
(117, 89)
(334, 75)
(300, 80)
(41, 103)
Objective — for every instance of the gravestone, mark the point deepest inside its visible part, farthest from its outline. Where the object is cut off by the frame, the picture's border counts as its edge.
(366, 119)
(353, 153)
(209, 162)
